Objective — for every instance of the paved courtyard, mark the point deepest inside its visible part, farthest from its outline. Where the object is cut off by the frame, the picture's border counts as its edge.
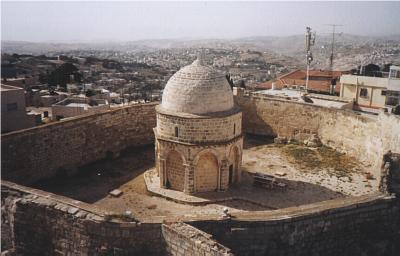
(326, 175)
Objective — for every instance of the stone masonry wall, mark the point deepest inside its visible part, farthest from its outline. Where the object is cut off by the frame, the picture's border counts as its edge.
(182, 239)
(353, 226)
(365, 137)
(199, 130)
(175, 171)
(35, 222)
(33, 154)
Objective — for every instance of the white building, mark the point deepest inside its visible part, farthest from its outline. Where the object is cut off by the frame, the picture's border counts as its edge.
(76, 106)
(13, 111)
(372, 92)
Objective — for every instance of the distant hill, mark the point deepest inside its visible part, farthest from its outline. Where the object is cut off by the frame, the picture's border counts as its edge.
(295, 43)
(284, 44)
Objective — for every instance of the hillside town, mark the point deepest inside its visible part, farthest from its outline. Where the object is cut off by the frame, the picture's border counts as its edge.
(67, 83)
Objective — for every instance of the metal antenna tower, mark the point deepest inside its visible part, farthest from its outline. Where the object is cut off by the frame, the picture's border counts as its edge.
(331, 57)
(310, 41)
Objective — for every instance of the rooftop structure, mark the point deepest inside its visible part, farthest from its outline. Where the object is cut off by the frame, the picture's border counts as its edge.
(326, 82)
(75, 106)
(372, 92)
(13, 111)
(296, 95)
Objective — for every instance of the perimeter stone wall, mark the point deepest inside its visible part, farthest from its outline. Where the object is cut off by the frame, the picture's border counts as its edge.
(182, 239)
(365, 137)
(356, 226)
(37, 153)
(35, 222)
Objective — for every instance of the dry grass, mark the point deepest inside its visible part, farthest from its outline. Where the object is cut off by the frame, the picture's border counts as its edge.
(324, 157)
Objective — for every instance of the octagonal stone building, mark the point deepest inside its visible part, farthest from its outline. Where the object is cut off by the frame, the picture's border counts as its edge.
(199, 139)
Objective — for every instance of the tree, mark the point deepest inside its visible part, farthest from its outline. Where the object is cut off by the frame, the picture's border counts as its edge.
(62, 75)
(371, 70)
(386, 67)
(242, 84)
(89, 93)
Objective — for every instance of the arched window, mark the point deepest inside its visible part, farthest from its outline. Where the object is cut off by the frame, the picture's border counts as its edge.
(176, 132)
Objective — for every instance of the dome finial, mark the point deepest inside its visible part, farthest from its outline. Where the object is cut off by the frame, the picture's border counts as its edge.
(200, 57)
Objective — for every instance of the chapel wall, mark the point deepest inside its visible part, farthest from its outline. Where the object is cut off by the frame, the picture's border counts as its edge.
(191, 156)
(196, 130)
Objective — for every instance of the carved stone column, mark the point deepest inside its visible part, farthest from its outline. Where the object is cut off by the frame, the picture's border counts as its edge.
(189, 178)
(162, 171)
(223, 176)
(239, 168)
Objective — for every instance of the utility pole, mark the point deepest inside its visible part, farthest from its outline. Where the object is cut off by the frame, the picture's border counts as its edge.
(331, 57)
(310, 41)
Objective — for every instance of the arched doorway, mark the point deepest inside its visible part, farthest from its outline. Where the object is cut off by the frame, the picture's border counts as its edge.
(206, 173)
(175, 171)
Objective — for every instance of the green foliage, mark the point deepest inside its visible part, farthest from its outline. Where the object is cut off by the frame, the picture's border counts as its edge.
(62, 75)
(90, 93)
(112, 64)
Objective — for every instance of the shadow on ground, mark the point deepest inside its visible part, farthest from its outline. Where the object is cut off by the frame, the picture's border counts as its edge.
(94, 181)
(252, 198)
(251, 140)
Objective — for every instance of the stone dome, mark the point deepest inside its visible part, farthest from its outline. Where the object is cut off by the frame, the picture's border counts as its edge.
(197, 89)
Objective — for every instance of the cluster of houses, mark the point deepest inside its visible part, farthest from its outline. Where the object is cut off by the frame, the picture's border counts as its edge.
(23, 107)
(367, 93)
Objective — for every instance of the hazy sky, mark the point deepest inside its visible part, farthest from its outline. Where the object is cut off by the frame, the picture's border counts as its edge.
(65, 21)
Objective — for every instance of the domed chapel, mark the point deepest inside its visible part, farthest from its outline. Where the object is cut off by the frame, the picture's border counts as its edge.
(199, 139)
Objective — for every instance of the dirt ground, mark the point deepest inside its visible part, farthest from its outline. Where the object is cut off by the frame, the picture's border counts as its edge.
(325, 175)
(320, 166)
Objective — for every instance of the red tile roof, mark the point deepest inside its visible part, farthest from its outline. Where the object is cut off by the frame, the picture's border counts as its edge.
(319, 80)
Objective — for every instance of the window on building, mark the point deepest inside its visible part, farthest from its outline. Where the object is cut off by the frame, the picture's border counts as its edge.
(176, 132)
(394, 73)
(12, 106)
(392, 98)
(363, 92)
(234, 129)
(383, 92)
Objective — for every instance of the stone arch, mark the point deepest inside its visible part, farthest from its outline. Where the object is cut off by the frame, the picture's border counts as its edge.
(175, 171)
(206, 172)
(234, 165)
(181, 151)
(196, 155)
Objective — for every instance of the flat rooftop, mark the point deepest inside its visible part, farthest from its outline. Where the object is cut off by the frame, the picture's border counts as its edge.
(329, 101)
(79, 105)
